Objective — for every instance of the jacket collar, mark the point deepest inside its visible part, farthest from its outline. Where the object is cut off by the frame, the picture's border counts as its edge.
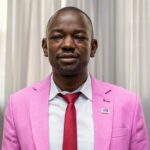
(102, 114)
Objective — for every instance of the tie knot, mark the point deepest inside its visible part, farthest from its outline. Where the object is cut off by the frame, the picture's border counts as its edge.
(70, 98)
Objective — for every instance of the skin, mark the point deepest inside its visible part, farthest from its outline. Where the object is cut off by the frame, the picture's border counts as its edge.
(69, 46)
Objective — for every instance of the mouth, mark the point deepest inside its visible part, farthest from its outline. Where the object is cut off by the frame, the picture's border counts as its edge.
(68, 58)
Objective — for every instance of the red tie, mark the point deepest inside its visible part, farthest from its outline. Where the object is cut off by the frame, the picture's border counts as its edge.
(70, 128)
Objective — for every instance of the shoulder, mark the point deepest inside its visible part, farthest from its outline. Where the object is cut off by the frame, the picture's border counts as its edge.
(26, 93)
(114, 91)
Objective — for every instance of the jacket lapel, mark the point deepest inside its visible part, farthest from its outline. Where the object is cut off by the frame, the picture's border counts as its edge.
(39, 115)
(102, 114)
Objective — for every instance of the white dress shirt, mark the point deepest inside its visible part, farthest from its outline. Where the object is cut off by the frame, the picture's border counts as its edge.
(57, 108)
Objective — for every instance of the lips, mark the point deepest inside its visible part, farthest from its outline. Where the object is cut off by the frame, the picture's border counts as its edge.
(68, 55)
(68, 58)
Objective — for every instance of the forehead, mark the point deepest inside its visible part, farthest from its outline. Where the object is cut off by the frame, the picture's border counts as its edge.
(69, 19)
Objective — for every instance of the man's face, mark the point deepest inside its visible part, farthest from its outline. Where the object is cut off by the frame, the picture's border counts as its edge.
(69, 43)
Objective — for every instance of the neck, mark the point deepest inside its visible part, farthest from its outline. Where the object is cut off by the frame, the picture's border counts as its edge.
(69, 83)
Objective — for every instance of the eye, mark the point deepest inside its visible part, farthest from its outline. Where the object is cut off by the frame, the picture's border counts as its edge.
(80, 37)
(56, 37)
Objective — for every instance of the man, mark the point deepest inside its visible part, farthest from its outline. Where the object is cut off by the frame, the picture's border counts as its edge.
(101, 116)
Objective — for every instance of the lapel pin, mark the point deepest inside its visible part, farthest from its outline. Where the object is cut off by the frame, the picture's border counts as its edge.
(105, 111)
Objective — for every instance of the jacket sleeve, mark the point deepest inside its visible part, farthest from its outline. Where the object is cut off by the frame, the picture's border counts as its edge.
(139, 139)
(10, 140)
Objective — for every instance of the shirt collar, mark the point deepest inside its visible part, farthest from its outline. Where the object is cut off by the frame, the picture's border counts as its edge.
(85, 89)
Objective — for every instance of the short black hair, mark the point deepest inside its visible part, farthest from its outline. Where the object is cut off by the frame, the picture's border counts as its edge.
(70, 8)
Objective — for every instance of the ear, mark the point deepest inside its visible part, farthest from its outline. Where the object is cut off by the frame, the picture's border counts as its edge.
(94, 46)
(44, 46)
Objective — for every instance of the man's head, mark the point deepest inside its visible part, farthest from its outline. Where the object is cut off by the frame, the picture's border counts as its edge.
(69, 42)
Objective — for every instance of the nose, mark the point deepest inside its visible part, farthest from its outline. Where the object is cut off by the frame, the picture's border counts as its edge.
(68, 44)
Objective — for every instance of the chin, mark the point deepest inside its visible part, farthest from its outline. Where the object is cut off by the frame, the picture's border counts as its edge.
(68, 73)
(70, 70)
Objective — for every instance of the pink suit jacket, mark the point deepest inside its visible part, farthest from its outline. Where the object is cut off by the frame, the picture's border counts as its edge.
(117, 115)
